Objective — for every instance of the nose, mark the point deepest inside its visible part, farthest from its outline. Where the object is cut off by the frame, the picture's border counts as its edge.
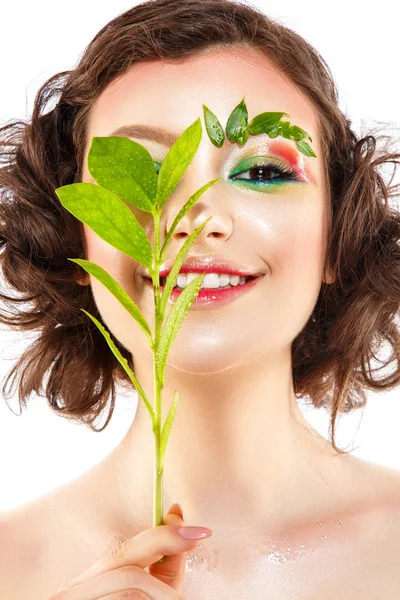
(219, 227)
(214, 202)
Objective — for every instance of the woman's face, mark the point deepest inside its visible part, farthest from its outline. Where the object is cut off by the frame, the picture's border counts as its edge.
(278, 227)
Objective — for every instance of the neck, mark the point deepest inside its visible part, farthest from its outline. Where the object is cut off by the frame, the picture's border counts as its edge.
(240, 450)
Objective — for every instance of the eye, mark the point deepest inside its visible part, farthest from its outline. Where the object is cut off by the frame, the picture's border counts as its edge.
(264, 172)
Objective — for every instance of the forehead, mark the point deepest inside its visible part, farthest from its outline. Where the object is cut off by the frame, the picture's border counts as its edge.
(170, 94)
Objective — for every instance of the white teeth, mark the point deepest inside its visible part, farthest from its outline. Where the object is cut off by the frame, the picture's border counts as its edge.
(211, 280)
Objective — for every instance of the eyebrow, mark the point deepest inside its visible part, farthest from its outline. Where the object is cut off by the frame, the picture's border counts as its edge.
(168, 138)
(163, 136)
(147, 132)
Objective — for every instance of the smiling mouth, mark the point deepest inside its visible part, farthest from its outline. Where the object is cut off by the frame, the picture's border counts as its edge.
(212, 298)
(246, 279)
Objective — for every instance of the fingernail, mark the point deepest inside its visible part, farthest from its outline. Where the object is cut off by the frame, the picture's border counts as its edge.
(176, 509)
(194, 533)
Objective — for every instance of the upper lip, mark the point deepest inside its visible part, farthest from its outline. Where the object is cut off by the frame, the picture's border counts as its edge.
(201, 264)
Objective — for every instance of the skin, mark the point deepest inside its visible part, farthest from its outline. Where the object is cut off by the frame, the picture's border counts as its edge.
(240, 451)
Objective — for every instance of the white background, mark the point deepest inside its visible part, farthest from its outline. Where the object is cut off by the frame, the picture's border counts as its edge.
(40, 451)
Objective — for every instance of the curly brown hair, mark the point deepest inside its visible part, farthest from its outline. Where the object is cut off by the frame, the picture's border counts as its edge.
(353, 316)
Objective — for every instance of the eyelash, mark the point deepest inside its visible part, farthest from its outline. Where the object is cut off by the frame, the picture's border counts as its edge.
(279, 167)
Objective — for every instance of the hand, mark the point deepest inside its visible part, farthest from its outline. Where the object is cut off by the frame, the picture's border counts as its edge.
(122, 570)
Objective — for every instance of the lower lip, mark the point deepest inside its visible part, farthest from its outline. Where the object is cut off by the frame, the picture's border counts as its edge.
(214, 297)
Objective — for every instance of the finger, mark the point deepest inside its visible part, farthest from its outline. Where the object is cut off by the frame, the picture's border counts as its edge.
(131, 582)
(122, 596)
(143, 550)
(172, 570)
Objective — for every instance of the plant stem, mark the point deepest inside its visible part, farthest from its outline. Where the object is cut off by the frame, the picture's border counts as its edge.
(158, 385)
(158, 503)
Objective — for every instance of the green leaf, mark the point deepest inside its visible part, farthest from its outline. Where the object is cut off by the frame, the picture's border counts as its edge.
(292, 132)
(183, 211)
(123, 362)
(299, 133)
(109, 217)
(243, 136)
(305, 148)
(166, 430)
(213, 127)
(177, 160)
(265, 122)
(274, 132)
(237, 123)
(125, 168)
(286, 130)
(171, 279)
(114, 287)
(174, 320)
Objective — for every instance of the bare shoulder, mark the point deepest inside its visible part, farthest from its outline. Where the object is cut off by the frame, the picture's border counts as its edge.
(375, 491)
(20, 555)
(45, 543)
(377, 496)
(12, 553)
(363, 561)
(380, 549)
(61, 534)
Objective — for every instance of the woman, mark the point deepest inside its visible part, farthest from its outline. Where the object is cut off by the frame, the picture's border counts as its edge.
(291, 514)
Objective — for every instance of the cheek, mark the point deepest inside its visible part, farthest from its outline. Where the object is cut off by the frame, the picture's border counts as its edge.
(104, 255)
(303, 248)
(94, 244)
(298, 227)
(300, 245)
(293, 243)
(121, 268)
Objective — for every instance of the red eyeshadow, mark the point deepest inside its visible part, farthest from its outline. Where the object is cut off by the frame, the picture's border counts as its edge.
(288, 151)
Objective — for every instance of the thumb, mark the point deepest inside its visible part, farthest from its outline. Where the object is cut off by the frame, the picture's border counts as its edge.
(172, 570)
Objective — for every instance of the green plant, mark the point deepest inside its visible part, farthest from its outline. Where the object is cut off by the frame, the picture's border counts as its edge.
(238, 128)
(124, 171)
